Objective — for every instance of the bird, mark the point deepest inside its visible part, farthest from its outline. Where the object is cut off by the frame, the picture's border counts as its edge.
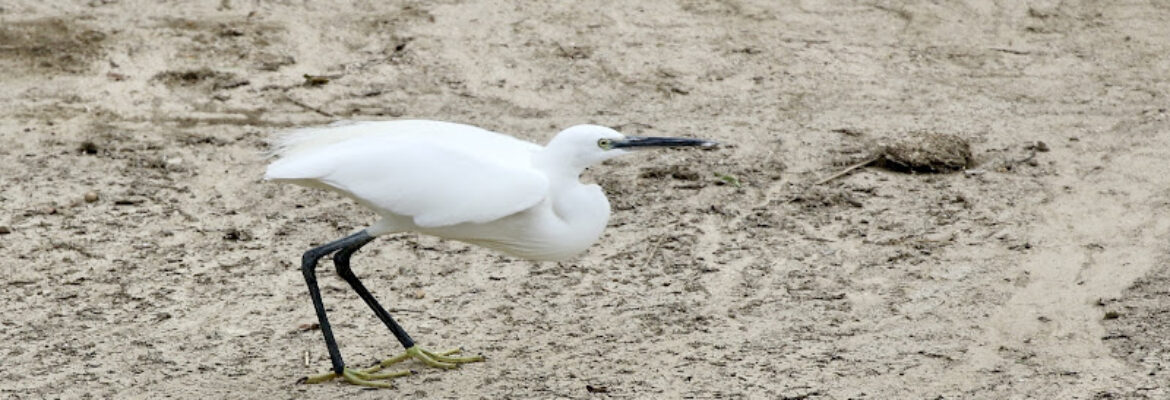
(452, 181)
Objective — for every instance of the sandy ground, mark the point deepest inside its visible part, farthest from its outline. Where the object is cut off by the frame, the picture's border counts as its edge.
(1041, 272)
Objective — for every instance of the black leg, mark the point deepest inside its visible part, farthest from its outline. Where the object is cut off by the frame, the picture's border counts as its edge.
(309, 267)
(341, 262)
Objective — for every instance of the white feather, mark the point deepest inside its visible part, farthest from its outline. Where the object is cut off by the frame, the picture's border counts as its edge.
(438, 173)
(461, 182)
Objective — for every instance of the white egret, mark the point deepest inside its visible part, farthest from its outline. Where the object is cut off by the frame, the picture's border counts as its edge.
(451, 181)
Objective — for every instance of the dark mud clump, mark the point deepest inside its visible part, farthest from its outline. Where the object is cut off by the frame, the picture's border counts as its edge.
(672, 171)
(1137, 324)
(202, 77)
(50, 45)
(926, 153)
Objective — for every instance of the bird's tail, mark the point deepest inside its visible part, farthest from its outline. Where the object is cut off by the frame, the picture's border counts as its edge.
(287, 143)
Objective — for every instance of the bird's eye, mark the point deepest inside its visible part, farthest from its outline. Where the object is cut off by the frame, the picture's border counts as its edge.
(605, 144)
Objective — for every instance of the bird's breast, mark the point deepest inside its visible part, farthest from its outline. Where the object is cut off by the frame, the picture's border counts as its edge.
(553, 230)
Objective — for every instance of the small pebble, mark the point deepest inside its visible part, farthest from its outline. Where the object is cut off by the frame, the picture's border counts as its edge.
(4, 230)
(1112, 315)
(88, 147)
(91, 196)
(316, 80)
(596, 389)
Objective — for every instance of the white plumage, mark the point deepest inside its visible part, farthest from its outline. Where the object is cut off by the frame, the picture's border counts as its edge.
(439, 173)
(462, 182)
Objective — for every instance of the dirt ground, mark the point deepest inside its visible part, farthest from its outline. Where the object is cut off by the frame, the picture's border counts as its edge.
(144, 258)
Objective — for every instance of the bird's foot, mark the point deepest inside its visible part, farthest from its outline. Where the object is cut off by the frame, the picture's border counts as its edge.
(373, 378)
(441, 359)
(361, 377)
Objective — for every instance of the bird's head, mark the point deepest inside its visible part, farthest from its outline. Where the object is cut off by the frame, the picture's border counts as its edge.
(582, 146)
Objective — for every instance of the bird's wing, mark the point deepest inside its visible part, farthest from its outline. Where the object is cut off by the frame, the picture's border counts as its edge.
(443, 175)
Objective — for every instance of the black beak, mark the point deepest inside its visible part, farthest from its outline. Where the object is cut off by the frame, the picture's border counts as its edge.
(631, 142)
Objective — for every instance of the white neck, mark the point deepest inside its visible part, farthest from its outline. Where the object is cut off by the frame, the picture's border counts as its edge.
(582, 208)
